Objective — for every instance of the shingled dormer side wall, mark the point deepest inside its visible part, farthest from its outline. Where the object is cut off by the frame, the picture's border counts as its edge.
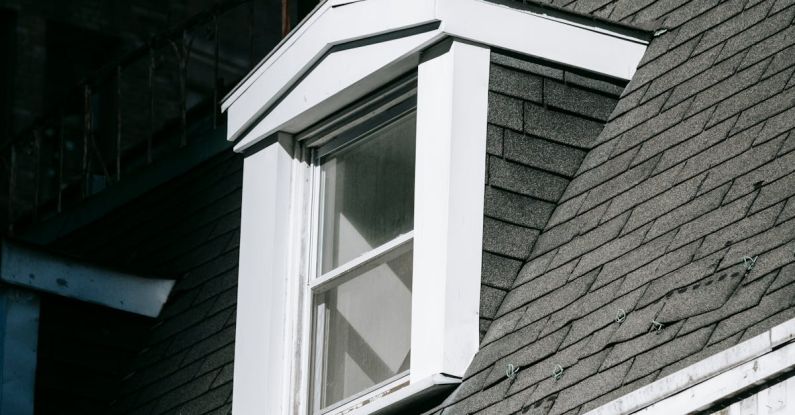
(638, 271)
(186, 229)
(542, 120)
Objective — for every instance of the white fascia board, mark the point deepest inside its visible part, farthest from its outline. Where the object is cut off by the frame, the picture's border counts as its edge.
(339, 79)
(700, 397)
(41, 271)
(328, 26)
(257, 99)
(595, 50)
(452, 101)
(262, 357)
(717, 377)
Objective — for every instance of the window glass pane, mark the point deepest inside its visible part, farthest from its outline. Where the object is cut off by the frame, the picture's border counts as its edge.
(367, 327)
(368, 193)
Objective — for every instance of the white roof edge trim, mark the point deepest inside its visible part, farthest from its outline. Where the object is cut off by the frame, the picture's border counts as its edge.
(255, 72)
(338, 80)
(574, 44)
(716, 377)
(40, 271)
(322, 29)
(589, 47)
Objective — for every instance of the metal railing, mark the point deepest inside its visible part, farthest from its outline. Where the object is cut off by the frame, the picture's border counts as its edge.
(128, 115)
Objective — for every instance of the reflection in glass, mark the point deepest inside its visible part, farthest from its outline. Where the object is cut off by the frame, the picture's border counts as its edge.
(366, 327)
(368, 193)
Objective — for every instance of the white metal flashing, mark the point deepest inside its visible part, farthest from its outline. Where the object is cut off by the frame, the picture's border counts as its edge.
(38, 270)
(274, 94)
(698, 386)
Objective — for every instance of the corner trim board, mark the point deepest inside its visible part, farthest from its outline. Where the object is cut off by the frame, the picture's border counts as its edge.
(288, 81)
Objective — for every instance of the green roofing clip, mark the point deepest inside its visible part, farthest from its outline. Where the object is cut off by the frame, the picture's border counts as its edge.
(511, 371)
(558, 372)
(749, 263)
(621, 315)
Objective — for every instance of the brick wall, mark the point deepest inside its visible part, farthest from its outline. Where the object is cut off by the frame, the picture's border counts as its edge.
(542, 120)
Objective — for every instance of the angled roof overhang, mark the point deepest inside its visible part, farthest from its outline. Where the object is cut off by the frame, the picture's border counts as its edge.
(37, 270)
(346, 48)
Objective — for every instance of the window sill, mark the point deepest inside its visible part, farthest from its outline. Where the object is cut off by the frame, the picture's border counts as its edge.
(426, 392)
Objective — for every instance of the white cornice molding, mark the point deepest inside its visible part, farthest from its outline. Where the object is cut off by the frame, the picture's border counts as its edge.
(323, 51)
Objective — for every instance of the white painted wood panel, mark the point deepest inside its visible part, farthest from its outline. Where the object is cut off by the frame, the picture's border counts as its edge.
(452, 100)
(261, 356)
(778, 399)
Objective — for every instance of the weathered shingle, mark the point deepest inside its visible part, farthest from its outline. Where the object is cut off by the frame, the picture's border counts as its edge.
(692, 171)
(542, 154)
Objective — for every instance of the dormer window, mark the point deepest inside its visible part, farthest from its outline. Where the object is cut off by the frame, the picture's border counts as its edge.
(363, 198)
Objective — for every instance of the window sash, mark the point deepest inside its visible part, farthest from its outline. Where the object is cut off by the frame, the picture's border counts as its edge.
(387, 251)
(338, 276)
(319, 282)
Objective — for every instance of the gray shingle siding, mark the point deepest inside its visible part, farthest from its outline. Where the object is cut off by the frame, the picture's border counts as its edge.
(542, 121)
(693, 170)
(187, 229)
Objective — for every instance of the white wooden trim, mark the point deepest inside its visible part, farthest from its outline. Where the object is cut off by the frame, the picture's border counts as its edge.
(717, 377)
(326, 27)
(299, 317)
(367, 397)
(595, 48)
(777, 399)
(261, 356)
(41, 271)
(318, 284)
(452, 100)
(569, 43)
(340, 79)
(700, 397)
(415, 390)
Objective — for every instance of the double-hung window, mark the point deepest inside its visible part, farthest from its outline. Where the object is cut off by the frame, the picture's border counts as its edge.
(361, 283)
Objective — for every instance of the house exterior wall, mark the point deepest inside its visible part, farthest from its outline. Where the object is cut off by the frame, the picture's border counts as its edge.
(187, 229)
(542, 120)
(693, 171)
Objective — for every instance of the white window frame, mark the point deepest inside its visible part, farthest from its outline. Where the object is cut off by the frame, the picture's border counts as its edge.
(378, 117)
(276, 246)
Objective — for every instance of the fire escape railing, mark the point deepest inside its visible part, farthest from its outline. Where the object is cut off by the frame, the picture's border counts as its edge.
(128, 115)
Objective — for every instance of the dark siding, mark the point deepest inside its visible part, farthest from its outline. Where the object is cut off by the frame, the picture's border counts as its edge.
(542, 120)
(84, 351)
(187, 229)
(693, 170)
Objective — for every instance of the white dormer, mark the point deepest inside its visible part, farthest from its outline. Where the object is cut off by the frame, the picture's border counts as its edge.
(365, 139)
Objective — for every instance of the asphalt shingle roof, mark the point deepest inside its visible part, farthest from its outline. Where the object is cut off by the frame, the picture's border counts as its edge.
(646, 213)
